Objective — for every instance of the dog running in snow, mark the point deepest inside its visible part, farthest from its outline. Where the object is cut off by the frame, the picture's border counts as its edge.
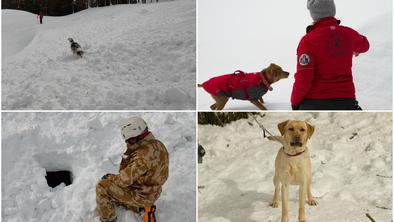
(75, 47)
(243, 86)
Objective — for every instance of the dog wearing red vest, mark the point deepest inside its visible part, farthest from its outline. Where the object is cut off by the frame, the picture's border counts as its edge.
(243, 86)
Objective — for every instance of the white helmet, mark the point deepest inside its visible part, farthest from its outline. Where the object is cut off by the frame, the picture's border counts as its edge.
(132, 127)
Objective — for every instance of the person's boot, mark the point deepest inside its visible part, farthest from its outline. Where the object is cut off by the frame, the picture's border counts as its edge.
(149, 215)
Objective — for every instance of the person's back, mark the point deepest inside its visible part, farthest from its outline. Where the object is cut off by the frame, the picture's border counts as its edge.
(148, 158)
(333, 47)
(143, 171)
(324, 78)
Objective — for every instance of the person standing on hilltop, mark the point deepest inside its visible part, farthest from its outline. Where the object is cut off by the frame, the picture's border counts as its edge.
(40, 15)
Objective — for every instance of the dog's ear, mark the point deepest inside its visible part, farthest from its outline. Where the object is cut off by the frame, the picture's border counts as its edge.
(268, 70)
(271, 69)
(281, 127)
(311, 130)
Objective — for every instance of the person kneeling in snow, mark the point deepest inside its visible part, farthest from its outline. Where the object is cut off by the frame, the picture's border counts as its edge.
(324, 78)
(143, 170)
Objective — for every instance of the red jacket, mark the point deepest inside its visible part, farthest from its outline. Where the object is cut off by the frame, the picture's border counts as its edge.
(324, 62)
(239, 85)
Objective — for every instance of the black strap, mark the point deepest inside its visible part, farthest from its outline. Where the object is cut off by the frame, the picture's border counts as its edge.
(243, 82)
(151, 214)
(262, 127)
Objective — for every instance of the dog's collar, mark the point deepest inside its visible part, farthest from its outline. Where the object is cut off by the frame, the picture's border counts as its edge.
(265, 79)
(293, 155)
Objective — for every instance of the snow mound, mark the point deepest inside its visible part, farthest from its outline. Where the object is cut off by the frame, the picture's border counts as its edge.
(20, 31)
(351, 157)
(133, 54)
(89, 145)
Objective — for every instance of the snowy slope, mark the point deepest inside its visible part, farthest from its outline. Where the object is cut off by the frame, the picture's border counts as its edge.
(249, 35)
(238, 169)
(90, 145)
(137, 57)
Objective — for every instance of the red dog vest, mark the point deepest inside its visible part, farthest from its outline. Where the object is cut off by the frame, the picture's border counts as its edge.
(239, 85)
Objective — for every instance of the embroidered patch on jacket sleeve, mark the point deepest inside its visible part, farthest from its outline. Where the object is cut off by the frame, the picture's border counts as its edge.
(304, 60)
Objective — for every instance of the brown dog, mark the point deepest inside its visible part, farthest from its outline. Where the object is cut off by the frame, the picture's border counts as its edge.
(293, 166)
(250, 86)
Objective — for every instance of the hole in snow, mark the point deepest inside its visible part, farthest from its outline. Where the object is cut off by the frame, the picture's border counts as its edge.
(55, 178)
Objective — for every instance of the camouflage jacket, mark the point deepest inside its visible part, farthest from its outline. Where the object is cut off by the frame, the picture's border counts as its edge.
(144, 168)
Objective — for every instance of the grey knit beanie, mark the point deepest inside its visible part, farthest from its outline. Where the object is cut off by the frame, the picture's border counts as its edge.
(321, 9)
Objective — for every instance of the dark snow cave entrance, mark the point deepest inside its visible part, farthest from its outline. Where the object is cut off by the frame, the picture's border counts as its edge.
(55, 178)
(58, 167)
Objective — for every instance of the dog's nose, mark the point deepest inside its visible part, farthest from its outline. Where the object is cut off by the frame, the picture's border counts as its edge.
(297, 139)
(287, 74)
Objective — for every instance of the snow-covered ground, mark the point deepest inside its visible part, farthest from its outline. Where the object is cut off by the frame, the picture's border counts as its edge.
(90, 145)
(249, 35)
(136, 57)
(351, 169)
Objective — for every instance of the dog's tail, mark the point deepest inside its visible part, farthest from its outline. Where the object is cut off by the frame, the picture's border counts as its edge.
(199, 85)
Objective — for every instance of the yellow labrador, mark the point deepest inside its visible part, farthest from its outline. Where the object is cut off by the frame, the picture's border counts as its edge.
(293, 165)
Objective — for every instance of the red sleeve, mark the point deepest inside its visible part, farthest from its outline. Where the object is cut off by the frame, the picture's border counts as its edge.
(305, 73)
(361, 43)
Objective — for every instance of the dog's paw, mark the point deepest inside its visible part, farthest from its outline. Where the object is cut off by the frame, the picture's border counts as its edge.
(275, 204)
(312, 202)
(301, 218)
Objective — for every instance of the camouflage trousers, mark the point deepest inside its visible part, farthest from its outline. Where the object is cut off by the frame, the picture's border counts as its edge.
(109, 195)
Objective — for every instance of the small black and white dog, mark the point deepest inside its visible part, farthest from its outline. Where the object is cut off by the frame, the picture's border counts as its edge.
(75, 47)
